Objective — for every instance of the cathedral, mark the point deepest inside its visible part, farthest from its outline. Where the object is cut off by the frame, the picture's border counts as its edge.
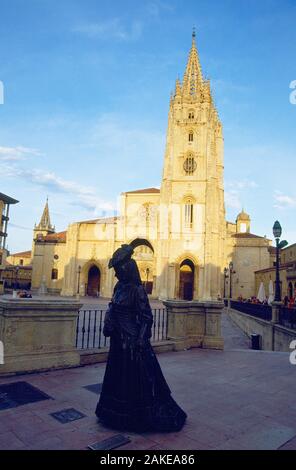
(182, 242)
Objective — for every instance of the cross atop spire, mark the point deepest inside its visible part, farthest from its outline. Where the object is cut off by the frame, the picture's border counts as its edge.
(45, 224)
(193, 74)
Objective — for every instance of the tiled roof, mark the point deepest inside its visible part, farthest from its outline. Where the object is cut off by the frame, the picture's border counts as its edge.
(106, 220)
(59, 237)
(143, 191)
(246, 235)
(272, 268)
(23, 254)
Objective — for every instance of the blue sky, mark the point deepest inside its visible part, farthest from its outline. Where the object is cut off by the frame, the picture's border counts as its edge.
(87, 86)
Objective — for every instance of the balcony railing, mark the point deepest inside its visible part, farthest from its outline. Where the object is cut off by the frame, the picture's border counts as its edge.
(256, 310)
(90, 323)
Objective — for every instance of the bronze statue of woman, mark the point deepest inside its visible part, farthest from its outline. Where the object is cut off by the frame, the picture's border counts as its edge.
(135, 396)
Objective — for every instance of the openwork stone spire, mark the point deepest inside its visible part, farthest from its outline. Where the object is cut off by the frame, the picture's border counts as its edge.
(45, 223)
(193, 75)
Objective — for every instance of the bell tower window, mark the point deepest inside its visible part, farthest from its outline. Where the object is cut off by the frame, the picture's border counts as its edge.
(188, 214)
(189, 165)
(190, 137)
(191, 115)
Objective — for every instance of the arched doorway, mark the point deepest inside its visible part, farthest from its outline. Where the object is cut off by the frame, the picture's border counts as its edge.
(186, 283)
(144, 257)
(93, 281)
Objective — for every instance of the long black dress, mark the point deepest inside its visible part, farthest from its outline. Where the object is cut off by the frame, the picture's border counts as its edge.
(135, 395)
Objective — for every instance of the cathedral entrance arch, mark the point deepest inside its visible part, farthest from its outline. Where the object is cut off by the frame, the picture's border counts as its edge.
(142, 242)
(186, 280)
(93, 281)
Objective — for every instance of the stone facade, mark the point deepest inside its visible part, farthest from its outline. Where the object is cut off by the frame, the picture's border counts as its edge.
(23, 258)
(38, 334)
(287, 273)
(182, 239)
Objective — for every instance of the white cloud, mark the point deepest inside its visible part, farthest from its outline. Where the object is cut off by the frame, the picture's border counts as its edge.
(243, 184)
(127, 147)
(283, 201)
(156, 7)
(232, 199)
(94, 203)
(127, 141)
(18, 153)
(111, 29)
(85, 196)
(234, 192)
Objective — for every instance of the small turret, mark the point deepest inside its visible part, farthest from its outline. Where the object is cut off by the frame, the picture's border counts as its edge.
(178, 89)
(243, 222)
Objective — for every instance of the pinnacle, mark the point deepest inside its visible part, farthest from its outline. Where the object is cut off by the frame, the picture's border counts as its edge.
(193, 75)
(45, 223)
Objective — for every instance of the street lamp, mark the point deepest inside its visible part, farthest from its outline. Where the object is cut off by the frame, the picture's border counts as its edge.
(147, 277)
(225, 277)
(16, 276)
(231, 272)
(78, 282)
(277, 232)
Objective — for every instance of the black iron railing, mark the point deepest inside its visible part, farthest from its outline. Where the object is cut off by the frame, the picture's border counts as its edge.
(256, 310)
(287, 317)
(90, 323)
(89, 329)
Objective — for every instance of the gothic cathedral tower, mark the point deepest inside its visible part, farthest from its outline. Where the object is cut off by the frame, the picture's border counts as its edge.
(192, 214)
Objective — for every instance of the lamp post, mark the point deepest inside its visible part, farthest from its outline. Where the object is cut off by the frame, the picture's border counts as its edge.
(147, 277)
(277, 232)
(225, 277)
(16, 276)
(78, 282)
(231, 272)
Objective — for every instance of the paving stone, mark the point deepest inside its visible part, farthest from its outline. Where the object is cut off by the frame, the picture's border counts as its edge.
(235, 399)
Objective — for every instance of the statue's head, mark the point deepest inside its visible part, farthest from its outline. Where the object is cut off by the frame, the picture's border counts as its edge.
(126, 269)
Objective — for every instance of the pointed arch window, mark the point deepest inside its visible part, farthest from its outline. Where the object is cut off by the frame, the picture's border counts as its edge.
(188, 213)
(190, 136)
